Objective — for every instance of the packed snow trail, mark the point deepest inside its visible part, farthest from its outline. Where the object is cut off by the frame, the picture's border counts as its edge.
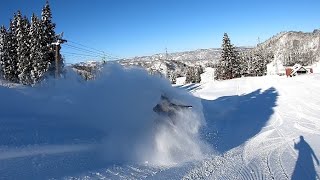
(258, 127)
(266, 141)
(247, 128)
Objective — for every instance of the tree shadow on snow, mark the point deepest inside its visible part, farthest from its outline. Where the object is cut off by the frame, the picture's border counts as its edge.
(232, 120)
(189, 87)
(304, 168)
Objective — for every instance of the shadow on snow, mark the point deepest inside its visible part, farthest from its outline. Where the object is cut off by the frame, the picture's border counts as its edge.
(189, 87)
(304, 168)
(33, 146)
(232, 120)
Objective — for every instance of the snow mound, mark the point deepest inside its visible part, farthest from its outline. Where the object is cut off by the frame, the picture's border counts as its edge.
(118, 104)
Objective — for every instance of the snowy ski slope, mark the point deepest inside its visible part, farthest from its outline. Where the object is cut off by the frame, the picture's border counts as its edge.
(258, 121)
(247, 128)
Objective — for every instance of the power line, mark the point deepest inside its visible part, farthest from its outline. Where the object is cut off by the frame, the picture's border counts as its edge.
(91, 48)
(80, 54)
(68, 57)
(82, 49)
(77, 55)
(83, 53)
(79, 58)
(90, 51)
(85, 46)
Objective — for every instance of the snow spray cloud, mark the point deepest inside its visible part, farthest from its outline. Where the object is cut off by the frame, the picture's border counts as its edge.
(120, 103)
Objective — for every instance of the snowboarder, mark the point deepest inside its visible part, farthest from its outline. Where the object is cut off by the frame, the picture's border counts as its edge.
(168, 109)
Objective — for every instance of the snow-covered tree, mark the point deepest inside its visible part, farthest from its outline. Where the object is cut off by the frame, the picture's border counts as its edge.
(23, 49)
(198, 72)
(190, 75)
(172, 76)
(254, 62)
(27, 52)
(297, 56)
(3, 49)
(39, 64)
(245, 64)
(229, 64)
(193, 74)
(10, 68)
(8, 55)
(49, 37)
(261, 57)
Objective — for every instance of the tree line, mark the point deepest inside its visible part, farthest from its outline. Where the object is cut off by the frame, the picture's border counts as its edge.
(234, 64)
(26, 51)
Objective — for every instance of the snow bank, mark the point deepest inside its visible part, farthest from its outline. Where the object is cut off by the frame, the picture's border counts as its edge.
(119, 104)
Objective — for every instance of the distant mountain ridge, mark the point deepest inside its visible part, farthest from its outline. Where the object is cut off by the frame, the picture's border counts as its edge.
(294, 47)
(288, 47)
(212, 54)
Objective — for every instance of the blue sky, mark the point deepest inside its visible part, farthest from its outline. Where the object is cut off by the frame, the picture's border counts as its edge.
(128, 28)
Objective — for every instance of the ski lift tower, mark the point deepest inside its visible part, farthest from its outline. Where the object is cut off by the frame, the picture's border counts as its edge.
(57, 45)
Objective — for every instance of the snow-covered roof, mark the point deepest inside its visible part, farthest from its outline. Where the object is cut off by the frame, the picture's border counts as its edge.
(296, 68)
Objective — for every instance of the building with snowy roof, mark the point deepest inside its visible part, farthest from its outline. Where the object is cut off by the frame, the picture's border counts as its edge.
(298, 69)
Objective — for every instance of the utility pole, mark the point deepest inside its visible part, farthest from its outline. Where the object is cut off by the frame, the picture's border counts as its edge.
(57, 55)
(166, 53)
(104, 58)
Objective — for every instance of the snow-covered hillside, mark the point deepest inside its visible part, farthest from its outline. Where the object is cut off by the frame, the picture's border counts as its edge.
(212, 54)
(248, 128)
(295, 47)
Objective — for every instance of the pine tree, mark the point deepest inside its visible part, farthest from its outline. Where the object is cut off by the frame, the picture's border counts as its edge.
(261, 58)
(228, 66)
(39, 64)
(255, 61)
(198, 72)
(193, 74)
(26, 50)
(260, 63)
(245, 64)
(7, 55)
(172, 76)
(23, 50)
(190, 75)
(10, 71)
(220, 71)
(3, 49)
(49, 37)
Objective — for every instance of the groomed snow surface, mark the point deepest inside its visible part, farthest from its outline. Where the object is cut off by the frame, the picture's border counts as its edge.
(248, 128)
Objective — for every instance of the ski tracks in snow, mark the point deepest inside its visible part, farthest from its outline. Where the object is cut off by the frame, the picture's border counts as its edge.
(270, 153)
(132, 172)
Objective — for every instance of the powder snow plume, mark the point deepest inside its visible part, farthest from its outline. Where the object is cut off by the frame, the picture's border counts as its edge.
(118, 104)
